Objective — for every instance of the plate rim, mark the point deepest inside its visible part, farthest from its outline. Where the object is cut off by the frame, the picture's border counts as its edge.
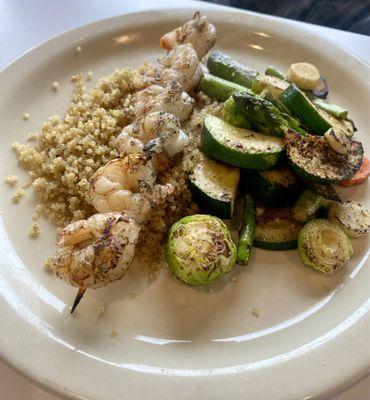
(54, 387)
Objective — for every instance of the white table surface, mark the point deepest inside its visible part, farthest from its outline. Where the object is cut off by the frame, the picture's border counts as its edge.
(27, 23)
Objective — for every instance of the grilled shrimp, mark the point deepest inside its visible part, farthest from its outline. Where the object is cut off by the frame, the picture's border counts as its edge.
(127, 184)
(99, 250)
(164, 127)
(170, 98)
(181, 64)
(198, 32)
(179, 71)
(96, 251)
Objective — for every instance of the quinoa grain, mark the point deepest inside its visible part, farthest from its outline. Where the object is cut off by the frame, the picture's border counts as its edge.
(55, 86)
(114, 333)
(18, 195)
(11, 180)
(32, 136)
(34, 231)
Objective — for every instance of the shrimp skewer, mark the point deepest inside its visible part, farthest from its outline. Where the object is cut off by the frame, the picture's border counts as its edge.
(99, 250)
(96, 251)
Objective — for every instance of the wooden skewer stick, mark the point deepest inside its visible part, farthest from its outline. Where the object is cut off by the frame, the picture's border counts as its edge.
(80, 293)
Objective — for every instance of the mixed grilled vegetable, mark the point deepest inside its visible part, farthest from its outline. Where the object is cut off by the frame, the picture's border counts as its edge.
(280, 146)
(200, 249)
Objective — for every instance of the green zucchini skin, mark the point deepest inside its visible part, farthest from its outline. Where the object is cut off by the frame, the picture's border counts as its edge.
(246, 234)
(214, 186)
(225, 67)
(276, 230)
(219, 208)
(273, 71)
(272, 194)
(279, 246)
(233, 115)
(299, 104)
(313, 159)
(213, 148)
(237, 156)
(217, 88)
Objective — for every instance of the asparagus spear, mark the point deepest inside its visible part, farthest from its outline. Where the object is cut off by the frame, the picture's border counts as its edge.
(233, 115)
(333, 109)
(273, 71)
(264, 116)
(247, 232)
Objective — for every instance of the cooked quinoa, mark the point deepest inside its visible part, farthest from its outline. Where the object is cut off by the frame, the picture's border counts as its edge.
(34, 231)
(11, 180)
(69, 150)
(18, 195)
(55, 86)
(89, 76)
(32, 136)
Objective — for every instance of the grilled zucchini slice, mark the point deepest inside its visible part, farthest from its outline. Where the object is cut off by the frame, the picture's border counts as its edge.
(277, 187)
(301, 106)
(239, 147)
(276, 230)
(313, 159)
(214, 186)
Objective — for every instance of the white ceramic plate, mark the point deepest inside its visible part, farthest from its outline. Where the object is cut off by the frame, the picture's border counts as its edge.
(174, 341)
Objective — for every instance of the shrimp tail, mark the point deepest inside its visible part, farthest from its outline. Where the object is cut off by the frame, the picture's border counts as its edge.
(80, 293)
